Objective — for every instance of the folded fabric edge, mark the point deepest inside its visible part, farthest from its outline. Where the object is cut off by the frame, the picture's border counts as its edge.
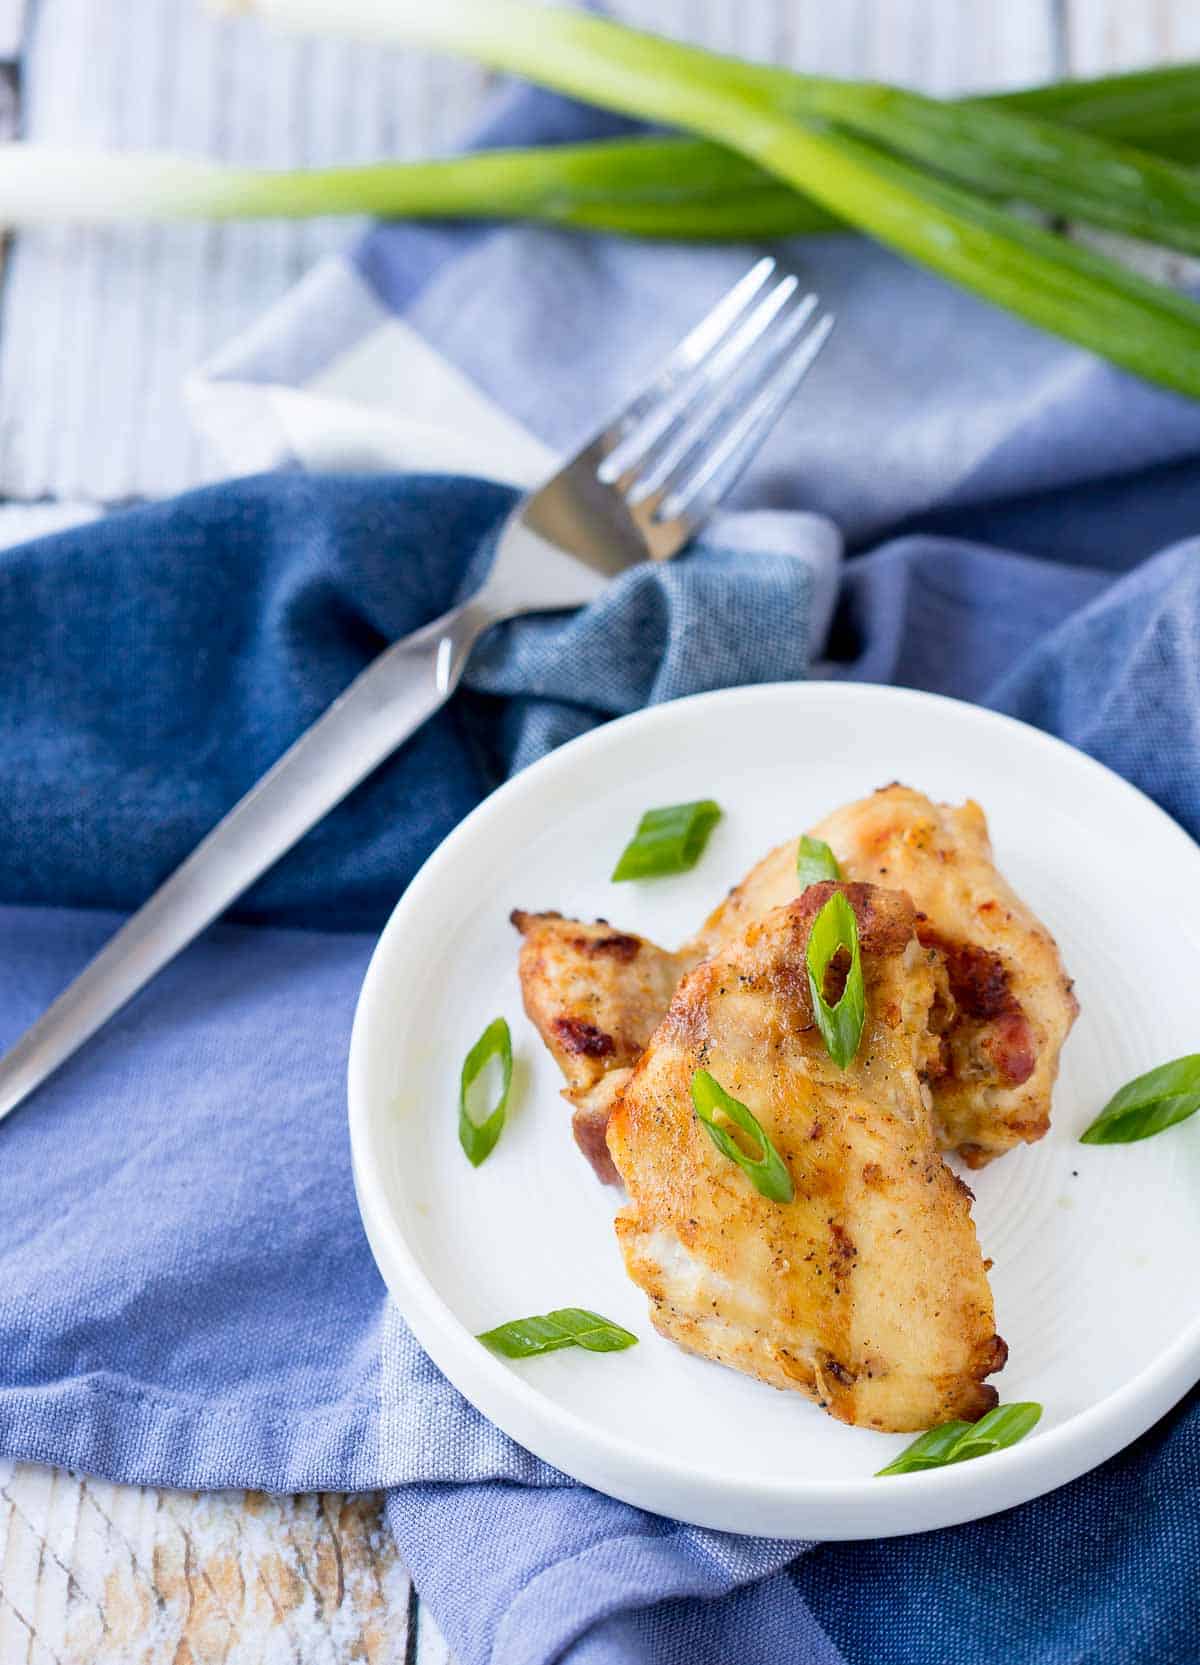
(588, 1575)
(142, 1439)
(343, 403)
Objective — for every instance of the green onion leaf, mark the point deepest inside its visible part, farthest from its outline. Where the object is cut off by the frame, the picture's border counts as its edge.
(928, 1450)
(1148, 1104)
(815, 861)
(1011, 154)
(1006, 1425)
(669, 840)
(767, 1172)
(524, 1338)
(957, 1442)
(1155, 109)
(769, 116)
(478, 1138)
(841, 1025)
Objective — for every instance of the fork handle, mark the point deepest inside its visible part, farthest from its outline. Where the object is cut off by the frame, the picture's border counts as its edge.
(378, 711)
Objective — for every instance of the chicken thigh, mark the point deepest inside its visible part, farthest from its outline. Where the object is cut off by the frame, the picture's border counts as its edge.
(1002, 1008)
(867, 1292)
(1014, 1003)
(595, 996)
(1011, 1003)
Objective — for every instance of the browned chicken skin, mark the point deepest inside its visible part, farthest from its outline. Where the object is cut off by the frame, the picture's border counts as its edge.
(595, 996)
(866, 1292)
(1011, 1002)
(1003, 1009)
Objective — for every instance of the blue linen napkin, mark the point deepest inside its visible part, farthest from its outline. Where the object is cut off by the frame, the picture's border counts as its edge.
(185, 1295)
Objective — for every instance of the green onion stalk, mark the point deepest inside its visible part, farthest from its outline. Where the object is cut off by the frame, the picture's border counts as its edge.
(660, 186)
(655, 186)
(678, 188)
(926, 179)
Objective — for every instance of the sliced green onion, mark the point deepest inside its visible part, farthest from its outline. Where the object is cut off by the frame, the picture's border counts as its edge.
(957, 1442)
(1004, 1426)
(524, 1338)
(815, 861)
(929, 1450)
(767, 1172)
(669, 840)
(841, 1025)
(1149, 1103)
(478, 1138)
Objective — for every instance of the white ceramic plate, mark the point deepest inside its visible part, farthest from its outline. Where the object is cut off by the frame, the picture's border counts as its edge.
(1088, 1242)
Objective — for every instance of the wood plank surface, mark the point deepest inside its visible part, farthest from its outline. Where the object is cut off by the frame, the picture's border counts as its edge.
(97, 1572)
(13, 15)
(1099, 35)
(101, 326)
(97, 331)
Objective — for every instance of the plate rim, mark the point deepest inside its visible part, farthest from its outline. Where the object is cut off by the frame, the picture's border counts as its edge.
(613, 1464)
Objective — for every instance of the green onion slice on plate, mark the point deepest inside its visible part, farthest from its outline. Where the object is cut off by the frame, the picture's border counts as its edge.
(957, 1442)
(767, 1172)
(1006, 1425)
(669, 840)
(524, 1338)
(1149, 1103)
(815, 861)
(929, 1450)
(841, 1024)
(478, 1138)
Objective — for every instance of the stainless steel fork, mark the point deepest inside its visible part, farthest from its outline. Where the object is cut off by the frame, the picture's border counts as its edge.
(637, 491)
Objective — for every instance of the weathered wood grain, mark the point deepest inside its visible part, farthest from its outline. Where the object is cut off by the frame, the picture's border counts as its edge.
(1100, 35)
(114, 1575)
(100, 327)
(1112, 34)
(13, 14)
(9, 106)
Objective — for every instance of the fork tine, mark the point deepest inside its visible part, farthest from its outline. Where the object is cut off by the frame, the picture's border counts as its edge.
(668, 388)
(733, 375)
(699, 491)
(707, 377)
(700, 341)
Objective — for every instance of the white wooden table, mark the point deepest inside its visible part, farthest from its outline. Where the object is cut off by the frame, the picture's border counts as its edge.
(97, 331)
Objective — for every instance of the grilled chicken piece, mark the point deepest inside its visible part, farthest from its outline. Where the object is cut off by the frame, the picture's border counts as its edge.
(867, 1292)
(1014, 1003)
(595, 996)
(1011, 1004)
